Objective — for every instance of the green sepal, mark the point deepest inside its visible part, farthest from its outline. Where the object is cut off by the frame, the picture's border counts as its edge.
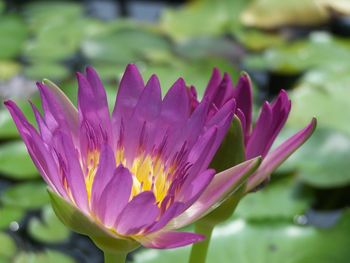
(230, 153)
(80, 223)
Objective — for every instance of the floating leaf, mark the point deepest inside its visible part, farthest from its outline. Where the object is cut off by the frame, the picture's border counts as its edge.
(323, 93)
(124, 46)
(324, 159)
(30, 195)
(13, 33)
(49, 229)
(320, 50)
(49, 256)
(7, 248)
(9, 214)
(13, 153)
(275, 13)
(8, 69)
(279, 200)
(202, 18)
(244, 242)
(41, 70)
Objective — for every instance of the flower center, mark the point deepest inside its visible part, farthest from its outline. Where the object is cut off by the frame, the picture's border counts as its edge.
(149, 173)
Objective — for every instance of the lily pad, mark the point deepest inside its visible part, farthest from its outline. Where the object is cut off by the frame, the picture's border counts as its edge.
(268, 242)
(49, 229)
(124, 46)
(274, 13)
(8, 69)
(13, 34)
(49, 256)
(13, 153)
(41, 70)
(320, 50)
(323, 93)
(7, 248)
(9, 214)
(203, 47)
(30, 195)
(279, 200)
(324, 159)
(202, 18)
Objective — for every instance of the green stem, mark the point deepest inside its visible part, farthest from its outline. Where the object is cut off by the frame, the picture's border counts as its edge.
(200, 250)
(115, 257)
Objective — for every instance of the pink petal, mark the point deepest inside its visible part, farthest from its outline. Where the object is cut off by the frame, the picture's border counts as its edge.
(139, 213)
(165, 240)
(130, 89)
(280, 154)
(115, 196)
(268, 126)
(66, 106)
(244, 99)
(103, 176)
(40, 155)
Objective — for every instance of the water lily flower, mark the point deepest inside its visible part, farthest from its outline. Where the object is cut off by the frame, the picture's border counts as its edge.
(137, 174)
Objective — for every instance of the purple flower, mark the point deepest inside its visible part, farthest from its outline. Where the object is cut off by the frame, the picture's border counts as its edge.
(142, 172)
(272, 118)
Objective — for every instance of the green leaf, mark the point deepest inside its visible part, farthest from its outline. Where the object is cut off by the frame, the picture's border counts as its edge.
(274, 13)
(324, 160)
(13, 33)
(323, 93)
(202, 18)
(8, 247)
(204, 47)
(13, 153)
(279, 200)
(49, 229)
(31, 195)
(124, 46)
(9, 214)
(78, 222)
(42, 70)
(320, 50)
(267, 242)
(8, 69)
(49, 256)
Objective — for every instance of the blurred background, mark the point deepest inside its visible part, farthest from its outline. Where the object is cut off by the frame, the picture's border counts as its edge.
(303, 46)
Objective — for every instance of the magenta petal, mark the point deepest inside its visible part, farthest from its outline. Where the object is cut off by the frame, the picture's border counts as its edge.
(114, 197)
(175, 106)
(130, 89)
(70, 166)
(39, 153)
(219, 188)
(171, 239)
(269, 124)
(193, 187)
(244, 99)
(60, 105)
(174, 210)
(280, 154)
(139, 213)
(213, 84)
(104, 174)
(150, 100)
